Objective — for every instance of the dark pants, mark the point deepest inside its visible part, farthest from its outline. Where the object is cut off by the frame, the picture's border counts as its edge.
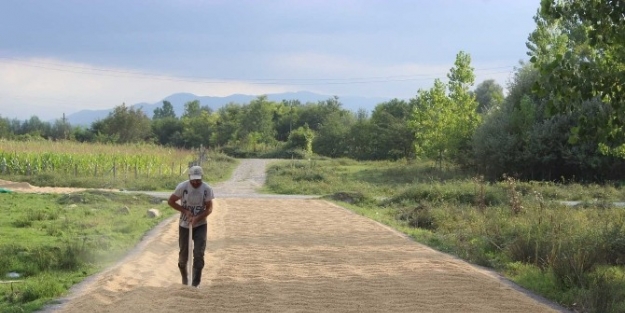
(199, 246)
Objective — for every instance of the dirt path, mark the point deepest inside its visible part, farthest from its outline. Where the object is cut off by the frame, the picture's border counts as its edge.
(297, 255)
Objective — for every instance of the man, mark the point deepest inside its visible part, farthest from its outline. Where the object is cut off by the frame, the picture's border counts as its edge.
(195, 205)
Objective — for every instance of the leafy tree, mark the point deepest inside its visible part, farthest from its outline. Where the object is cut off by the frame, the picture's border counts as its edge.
(166, 111)
(312, 114)
(488, 94)
(197, 129)
(331, 139)
(578, 48)
(193, 108)
(258, 119)
(301, 138)
(391, 135)
(34, 127)
(83, 134)
(61, 129)
(361, 138)
(227, 124)
(124, 125)
(168, 131)
(519, 139)
(5, 128)
(431, 120)
(465, 118)
(443, 122)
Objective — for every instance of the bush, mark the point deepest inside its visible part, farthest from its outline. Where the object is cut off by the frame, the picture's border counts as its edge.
(419, 216)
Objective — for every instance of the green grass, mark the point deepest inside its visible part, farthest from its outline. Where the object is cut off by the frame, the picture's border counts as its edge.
(574, 256)
(54, 241)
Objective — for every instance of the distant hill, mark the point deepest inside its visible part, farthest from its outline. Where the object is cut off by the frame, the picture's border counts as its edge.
(178, 100)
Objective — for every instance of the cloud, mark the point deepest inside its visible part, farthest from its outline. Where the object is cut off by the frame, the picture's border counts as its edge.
(48, 88)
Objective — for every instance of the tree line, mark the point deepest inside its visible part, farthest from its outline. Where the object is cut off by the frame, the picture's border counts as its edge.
(562, 117)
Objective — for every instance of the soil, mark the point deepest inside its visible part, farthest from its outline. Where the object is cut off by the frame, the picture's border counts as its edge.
(294, 255)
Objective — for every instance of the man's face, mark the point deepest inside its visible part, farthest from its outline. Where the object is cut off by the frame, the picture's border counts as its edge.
(195, 183)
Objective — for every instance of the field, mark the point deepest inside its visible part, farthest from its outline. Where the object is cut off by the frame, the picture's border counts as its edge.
(573, 255)
(129, 167)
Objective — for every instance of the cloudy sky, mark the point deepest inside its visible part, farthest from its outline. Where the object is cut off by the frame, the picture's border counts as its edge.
(63, 56)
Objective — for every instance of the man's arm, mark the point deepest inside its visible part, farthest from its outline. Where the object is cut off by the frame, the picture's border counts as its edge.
(204, 214)
(173, 202)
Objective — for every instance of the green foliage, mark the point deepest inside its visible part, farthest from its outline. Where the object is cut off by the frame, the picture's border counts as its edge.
(72, 236)
(257, 123)
(519, 138)
(332, 139)
(488, 95)
(166, 111)
(391, 137)
(124, 125)
(577, 46)
(168, 131)
(444, 123)
(302, 139)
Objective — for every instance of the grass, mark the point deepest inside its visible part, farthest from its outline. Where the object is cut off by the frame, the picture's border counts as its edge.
(574, 256)
(54, 241)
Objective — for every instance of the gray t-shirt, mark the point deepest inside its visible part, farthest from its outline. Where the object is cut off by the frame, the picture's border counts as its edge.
(193, 199)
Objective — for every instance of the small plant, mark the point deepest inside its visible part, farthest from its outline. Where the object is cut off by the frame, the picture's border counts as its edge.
(480, 199)
(513, 195)
(418, 217)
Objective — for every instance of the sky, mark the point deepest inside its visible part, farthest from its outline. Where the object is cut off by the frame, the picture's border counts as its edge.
(62, 56)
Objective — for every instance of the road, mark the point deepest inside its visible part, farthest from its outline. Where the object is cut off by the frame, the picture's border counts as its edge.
(295, 255)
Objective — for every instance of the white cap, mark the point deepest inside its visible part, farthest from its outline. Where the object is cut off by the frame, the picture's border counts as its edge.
(195, 172)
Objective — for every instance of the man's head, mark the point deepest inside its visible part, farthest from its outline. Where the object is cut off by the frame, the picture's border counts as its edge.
(195, 176)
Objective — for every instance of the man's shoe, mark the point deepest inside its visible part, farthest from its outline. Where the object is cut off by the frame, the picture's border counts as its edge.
(183, 272)
(197, 277)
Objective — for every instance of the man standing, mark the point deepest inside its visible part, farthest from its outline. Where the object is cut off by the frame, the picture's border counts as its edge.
(196, 204)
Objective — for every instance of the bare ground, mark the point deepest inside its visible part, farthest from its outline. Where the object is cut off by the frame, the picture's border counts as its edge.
(295, 255)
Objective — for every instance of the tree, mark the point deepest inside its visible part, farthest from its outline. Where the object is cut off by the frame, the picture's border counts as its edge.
(301, 138)
(167, 110)
(488, 94)
(431, 120)
(443, 122)
(5, 128)
(258, 118)
(61, 129)
(124, 125)
(465, 118)
(331, 139)
(191, 108)
(578, 48)
(391, 135)
(227, 125)
(285, 118)
(168, 131)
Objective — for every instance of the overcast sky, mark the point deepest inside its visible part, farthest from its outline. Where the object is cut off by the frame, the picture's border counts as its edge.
(62, 56)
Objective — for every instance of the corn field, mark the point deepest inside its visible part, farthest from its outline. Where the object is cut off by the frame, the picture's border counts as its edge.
(87, 159)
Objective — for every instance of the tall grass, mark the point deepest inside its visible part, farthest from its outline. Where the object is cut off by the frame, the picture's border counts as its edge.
(88, 165)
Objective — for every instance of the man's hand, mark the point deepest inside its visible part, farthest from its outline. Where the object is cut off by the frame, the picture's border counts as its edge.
(189, 216)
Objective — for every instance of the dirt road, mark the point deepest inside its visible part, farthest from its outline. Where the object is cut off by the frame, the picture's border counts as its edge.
(296, 255)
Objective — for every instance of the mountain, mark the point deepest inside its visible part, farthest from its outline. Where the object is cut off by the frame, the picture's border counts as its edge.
(178, 100)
